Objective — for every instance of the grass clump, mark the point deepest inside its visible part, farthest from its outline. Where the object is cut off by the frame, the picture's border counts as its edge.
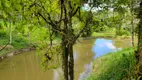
(114, 66)
(105, 34)
(19, 42)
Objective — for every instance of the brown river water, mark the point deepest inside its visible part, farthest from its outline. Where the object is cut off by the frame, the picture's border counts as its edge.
(26, 66)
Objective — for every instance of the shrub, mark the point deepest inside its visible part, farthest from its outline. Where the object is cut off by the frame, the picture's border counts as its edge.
(2, 34)
(19, 42)
(123, 32)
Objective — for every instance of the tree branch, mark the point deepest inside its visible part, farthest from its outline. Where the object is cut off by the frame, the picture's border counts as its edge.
(54, 26)
(75, 11)
(85, 26)
(4, 47)
(81, 31)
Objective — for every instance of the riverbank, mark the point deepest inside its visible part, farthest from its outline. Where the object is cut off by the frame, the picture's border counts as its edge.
(11, 53)
(111, 34)
(23, 46)
(114, 66)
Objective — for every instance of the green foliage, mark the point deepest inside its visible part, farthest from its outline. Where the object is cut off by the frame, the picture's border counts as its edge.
(39, 34)
(114, 66)
(3, 31)
(123, 32)
(19, 42)
(103, 34)
(52, 60)
(4, 41)
(3, 34)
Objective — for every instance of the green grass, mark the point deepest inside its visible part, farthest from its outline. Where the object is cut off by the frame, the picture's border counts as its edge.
(98, 34)
(18, 43)
(4, 52)
(111, 32)
(114, 66)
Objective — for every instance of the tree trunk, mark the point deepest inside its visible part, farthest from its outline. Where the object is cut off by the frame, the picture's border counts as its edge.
(132, 22)
(139, 54)
(68, 61)
(140, 34)
(71, 62)
(118, 30)
(29, 36)
(10, 33)
(67, 44)
(70, 47)
(65, 59)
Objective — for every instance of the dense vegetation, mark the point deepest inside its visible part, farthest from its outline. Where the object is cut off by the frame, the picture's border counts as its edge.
(121, 66)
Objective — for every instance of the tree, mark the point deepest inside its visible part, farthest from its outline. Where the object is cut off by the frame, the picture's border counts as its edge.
(58, 15)
(9, 16)
(139, 54)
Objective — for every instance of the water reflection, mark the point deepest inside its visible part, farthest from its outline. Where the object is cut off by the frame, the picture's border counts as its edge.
(103, 46)
(75, 55)
(26, 66)
(57, 74)
(87, 72)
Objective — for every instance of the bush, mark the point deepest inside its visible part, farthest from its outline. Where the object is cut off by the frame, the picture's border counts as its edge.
(2, 34)
(19, 42)
(3, 38)
(123, 32)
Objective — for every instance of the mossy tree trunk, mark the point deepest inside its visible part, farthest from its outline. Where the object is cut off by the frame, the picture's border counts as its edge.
(68, 60)
(140, 34)
(139, 51)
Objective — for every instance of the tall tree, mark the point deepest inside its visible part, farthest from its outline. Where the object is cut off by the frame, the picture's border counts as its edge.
(58, 14)
(139, 58)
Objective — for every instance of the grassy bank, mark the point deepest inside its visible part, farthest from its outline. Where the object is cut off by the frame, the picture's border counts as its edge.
(18, 43)
(107, 34)
(111, 32)
(114, 66)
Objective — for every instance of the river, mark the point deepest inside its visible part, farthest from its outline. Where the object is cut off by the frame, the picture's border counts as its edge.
(26, 66)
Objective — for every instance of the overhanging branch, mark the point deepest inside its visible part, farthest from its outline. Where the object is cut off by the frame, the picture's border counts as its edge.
(54, 26)
(85, 26)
